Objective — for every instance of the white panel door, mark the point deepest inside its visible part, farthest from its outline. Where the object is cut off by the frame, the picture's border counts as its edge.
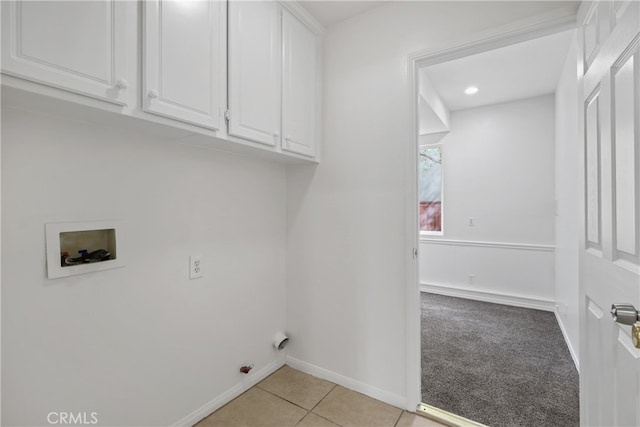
(184, 60)
(255, 57)
(79, 46)
(610, 243)
(299, 86)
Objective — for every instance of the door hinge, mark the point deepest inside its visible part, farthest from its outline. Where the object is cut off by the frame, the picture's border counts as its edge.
(226, 116)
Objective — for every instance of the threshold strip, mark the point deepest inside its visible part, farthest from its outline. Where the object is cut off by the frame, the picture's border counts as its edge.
(445, 417)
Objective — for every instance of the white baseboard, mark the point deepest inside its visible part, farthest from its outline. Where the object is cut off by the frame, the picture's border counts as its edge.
(226, 397)
(566, 339)
(350, 383)
(506, 299)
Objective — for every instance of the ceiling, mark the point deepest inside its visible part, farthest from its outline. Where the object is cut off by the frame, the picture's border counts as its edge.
(522, 70)
(518, 71)
(330, 12)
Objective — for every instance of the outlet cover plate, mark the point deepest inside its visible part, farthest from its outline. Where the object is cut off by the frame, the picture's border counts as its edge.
(195, 266)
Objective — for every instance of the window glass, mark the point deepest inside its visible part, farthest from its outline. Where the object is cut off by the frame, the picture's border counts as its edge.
(430, 189)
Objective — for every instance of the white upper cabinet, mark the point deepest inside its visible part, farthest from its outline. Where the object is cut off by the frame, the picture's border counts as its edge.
(299, 87)
(189, 64)
(183, 60)
(254, 71)
(79, 46)
(273, 77)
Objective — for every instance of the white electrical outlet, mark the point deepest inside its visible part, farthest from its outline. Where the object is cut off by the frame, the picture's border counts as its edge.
(195, 266)
(472, 278)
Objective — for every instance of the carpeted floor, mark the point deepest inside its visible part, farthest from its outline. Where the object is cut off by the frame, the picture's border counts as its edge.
(496, 364)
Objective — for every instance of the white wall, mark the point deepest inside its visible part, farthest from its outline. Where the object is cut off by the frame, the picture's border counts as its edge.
(567, 187)
(346, 248)
(498, 170)
(141, 345)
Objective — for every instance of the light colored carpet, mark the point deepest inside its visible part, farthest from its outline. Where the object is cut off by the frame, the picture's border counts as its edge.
(496, 364)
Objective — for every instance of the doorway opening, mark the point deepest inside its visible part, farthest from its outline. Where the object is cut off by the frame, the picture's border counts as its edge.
(487, 209)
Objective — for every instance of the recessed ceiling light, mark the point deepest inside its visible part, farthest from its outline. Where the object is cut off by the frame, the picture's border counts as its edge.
(471, 90)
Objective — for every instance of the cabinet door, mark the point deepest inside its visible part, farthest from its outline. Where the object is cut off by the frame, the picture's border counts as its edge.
(183, 60)
(254, 71)
(300, 86)
(79, 46)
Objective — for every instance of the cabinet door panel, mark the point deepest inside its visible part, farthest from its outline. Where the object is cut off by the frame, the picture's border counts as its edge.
(183, 60)
(77, 46)
(254, 71)
(299, 92)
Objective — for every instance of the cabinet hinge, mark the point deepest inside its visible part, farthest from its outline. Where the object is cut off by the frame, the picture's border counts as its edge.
(226, 115)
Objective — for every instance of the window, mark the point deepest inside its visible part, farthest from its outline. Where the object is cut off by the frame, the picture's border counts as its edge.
(430, 189)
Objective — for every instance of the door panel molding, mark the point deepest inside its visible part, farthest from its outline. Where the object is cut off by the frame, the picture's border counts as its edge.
(626, 158)
(593, 173)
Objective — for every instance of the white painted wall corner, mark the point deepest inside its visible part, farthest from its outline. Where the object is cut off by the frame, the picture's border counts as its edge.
(565, 335)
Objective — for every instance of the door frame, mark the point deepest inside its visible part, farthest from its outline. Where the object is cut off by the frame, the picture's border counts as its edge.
(541, 25)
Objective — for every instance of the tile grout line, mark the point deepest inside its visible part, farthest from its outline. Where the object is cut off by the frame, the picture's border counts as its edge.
(282, 398)
(259, 386)
(295, 404)
(398, 420)
(306, 415)
(331, 421)
(324, 397)
(309, 411)
(402, 411)
(320, 401)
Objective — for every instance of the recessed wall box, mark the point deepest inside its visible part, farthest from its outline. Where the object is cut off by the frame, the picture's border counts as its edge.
(83, 247)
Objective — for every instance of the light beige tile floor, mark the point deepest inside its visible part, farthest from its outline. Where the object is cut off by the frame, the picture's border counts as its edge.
(289, 398)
